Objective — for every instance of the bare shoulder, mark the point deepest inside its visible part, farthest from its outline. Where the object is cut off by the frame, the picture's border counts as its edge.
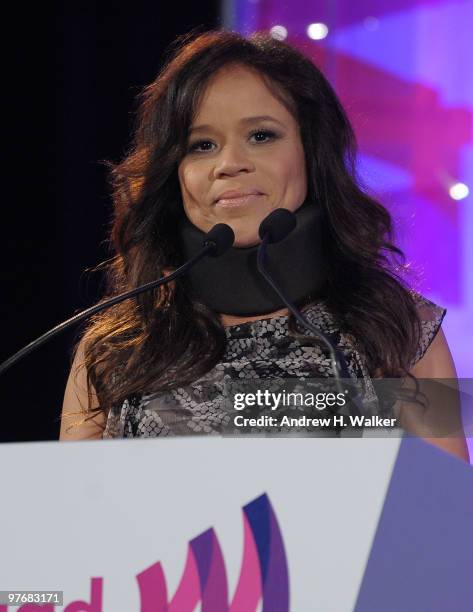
(77, 422)
(437, 363)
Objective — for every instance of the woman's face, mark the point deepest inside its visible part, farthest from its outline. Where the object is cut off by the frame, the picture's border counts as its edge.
(244, 141)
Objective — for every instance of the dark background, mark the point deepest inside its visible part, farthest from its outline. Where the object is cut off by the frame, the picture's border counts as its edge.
(72, 73)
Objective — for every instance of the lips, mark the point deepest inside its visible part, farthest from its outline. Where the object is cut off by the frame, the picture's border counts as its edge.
(233, 194)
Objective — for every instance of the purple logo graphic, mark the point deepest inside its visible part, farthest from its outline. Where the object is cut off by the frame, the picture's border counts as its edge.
(263, 574)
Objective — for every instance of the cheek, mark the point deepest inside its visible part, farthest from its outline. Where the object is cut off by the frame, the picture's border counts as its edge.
(300, 172)
(194, 193)
(301, 180)
(190, 183)
(295, 180)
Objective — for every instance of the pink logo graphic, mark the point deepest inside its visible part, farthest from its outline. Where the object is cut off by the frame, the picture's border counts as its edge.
(263, 574)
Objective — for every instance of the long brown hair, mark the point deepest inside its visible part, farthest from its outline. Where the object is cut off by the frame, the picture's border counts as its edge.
(162, 339)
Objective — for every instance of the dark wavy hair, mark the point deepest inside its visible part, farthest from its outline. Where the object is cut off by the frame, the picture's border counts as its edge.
(162, 339)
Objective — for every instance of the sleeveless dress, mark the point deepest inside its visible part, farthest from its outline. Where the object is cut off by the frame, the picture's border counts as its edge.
(262, 349)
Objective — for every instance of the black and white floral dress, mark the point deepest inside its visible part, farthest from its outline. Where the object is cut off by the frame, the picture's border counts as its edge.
(256, 350)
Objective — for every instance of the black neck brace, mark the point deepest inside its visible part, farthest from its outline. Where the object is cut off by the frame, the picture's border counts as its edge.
(232, 284)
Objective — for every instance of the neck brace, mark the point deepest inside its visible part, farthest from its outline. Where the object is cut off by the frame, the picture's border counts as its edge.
(232, 284)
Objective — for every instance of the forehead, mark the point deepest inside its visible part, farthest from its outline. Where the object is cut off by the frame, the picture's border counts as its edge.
(236, 89)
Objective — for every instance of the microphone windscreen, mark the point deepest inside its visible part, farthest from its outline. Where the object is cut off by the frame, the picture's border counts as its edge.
(277, 225)
(221, 238)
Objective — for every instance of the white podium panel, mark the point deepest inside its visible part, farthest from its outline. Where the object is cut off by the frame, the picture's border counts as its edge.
(216, 524)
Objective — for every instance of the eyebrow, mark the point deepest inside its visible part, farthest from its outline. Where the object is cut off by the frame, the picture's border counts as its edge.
(244, 121)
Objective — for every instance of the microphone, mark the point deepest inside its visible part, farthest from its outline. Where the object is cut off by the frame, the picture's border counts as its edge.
(216, 242)
(275, 227)
(220, 239)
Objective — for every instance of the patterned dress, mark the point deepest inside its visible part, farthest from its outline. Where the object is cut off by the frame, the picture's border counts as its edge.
(256, 350)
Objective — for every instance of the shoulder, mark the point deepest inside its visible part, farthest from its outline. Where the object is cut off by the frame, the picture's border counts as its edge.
(81, 416)
(436, 361)
(432, 343)
(428, 310)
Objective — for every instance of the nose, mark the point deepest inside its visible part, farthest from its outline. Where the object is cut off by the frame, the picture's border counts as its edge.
(232, 160)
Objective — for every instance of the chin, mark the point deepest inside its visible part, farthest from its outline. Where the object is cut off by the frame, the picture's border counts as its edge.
(246, 232)
(246, 241)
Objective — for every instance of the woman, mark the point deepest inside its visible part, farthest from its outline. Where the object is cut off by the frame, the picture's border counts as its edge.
(231, 130)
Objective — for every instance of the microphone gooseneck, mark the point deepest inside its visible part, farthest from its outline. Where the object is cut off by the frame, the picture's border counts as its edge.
(275, 227)
(218, 240)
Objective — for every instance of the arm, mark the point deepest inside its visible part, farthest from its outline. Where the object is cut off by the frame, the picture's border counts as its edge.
(438, 363)
(75, 405)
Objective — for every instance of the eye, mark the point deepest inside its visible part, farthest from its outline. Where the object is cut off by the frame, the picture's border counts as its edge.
(195, 146)
(267, 135)
(201, 146)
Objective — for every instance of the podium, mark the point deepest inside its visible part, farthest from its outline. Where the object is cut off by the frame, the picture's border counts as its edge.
(238, 524)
